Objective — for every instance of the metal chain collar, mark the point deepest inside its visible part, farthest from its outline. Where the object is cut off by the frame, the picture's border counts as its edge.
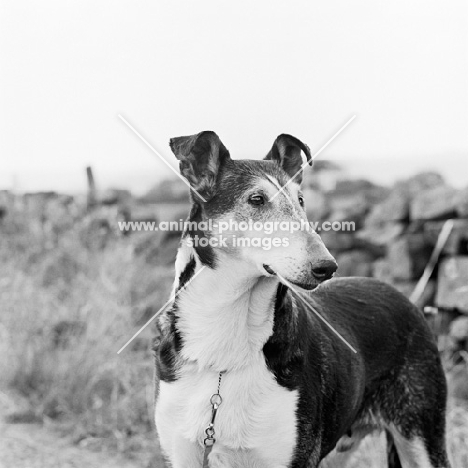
(209, 440)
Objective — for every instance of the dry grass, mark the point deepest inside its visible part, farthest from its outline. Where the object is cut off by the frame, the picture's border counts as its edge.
(457, 433)
(76, 379)
(81, 385)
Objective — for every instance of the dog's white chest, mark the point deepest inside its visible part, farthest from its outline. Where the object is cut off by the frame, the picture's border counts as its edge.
(255, 424)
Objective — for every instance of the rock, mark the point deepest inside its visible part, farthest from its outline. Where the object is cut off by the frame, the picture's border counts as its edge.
(355, 263)
(424, 181)
(7, 201)
(461, 203)
(459, 329)
(382, 271)
(440, 324)
(397, 206)
(437, 203)
(457, 382)
(394, 208)
(115, 197)
(457, 243)
(316, 203)
(349, 207)
(372, 191)
(352, 199)
(408, 256)
(426, 298)
(338, 241)
(377, 251)
(452, 289)
(381, 235)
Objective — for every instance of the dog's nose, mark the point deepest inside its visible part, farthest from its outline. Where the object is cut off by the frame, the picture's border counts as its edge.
(324, 270)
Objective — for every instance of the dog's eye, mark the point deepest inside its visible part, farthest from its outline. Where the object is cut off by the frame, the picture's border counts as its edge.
(257, 200)
(301, 201)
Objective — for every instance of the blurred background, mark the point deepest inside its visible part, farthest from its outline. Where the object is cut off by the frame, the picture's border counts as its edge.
(74, 288)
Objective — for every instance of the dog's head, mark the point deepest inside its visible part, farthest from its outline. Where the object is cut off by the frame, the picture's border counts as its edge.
(252, 210)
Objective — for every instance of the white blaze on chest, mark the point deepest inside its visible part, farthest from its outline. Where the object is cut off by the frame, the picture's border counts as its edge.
(257, 415)
(225, 320)
(225, 317)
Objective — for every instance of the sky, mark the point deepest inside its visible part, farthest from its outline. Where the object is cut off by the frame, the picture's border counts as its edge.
(247, 70)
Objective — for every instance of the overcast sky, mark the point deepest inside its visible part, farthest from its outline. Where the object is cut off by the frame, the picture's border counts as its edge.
(247, 70)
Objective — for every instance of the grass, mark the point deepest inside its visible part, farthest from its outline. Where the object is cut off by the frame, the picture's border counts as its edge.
(79, 384)
(457, 433)
(76, 380)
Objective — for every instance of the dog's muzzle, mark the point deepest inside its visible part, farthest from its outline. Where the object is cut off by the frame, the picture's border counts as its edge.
(324, 270)
(321, 272)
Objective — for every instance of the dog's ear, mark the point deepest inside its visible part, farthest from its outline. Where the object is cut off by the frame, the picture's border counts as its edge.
(201, 156)
(286, 151)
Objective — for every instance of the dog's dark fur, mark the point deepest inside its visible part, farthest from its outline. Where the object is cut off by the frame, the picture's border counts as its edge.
(394, 379)
(395, 382)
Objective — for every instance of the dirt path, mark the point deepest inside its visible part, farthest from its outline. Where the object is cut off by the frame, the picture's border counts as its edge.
(34, 446)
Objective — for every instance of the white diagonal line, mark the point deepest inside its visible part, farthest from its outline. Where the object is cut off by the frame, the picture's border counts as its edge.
(183, 179)
(160, 310)
(313, 157)
(328, 324)
(441, 241)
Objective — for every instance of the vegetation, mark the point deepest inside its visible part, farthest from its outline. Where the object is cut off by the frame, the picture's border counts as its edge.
(68, 303)
(66, 310)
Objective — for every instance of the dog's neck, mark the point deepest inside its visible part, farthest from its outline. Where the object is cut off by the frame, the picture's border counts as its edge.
(225, 315)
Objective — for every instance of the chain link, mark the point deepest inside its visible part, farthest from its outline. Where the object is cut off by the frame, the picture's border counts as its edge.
(215, 401)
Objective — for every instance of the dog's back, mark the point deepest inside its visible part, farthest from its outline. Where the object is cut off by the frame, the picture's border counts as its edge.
(395, 381)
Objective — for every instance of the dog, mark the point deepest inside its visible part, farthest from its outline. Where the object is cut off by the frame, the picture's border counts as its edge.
(246, 375)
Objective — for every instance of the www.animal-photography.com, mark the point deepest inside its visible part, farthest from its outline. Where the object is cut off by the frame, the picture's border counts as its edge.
(234, 234)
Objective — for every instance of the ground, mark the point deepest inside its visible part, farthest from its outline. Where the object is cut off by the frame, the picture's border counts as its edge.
(34, 445)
